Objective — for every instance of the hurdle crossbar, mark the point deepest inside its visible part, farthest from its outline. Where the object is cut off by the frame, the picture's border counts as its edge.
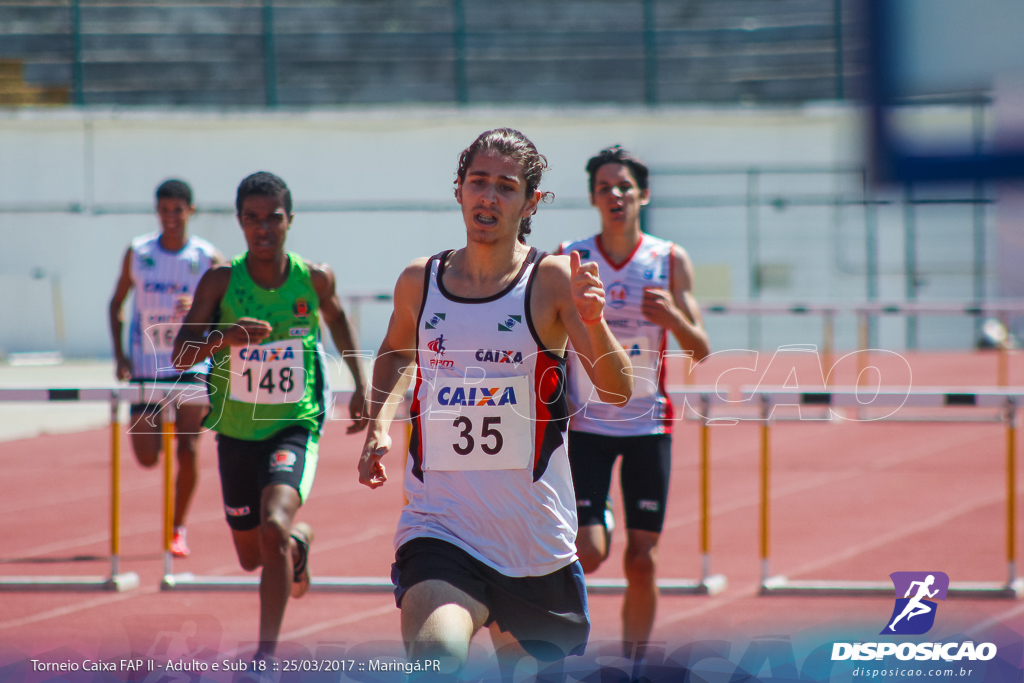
(708, 584)
(116, 580)
(1000, 309)
(168, 394)
(1007, 400)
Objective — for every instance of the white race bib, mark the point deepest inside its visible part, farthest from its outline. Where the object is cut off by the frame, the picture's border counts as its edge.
(645, 371)
(483, 426)
(160, 327)
(268, 373)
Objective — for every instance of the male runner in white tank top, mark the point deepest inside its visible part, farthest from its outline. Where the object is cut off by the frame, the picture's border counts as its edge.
(648, 283)
(487, 538)
(163, 269)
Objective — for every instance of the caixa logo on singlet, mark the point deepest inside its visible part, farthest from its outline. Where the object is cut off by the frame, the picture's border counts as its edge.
(499, 356)
(265, 355)
(165, 288)
(476, 396)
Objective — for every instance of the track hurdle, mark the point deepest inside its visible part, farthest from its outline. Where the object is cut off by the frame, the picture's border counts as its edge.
(116, 580)
(1000, 309)
(1006, 400)
(188, 581)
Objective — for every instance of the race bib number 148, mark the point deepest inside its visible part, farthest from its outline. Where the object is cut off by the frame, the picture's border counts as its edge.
(269, 373)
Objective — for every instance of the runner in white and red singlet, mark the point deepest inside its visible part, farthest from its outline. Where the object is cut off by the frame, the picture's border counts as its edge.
(487, 537)
(648, 284)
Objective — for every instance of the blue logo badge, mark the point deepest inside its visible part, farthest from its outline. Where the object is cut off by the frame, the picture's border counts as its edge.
(915, 608)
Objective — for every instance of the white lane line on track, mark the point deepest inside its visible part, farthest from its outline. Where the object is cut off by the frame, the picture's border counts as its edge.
(751, 589)
(742, 591)
(898, 457)
(340, 621)
(154, 527)
(78, 607)
(994, 620)
(897, 534)
(362, 536)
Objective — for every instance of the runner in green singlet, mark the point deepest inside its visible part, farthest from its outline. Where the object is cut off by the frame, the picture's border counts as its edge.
(259, 318)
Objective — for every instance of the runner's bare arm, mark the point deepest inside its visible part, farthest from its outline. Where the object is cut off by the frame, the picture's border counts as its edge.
(122, 366)
(576, 299)
(196, 341)
(344, 338)
(677, 310)
(392, 371)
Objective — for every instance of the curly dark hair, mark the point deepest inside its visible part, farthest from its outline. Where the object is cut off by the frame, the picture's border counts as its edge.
(617, 155)
(512, 144)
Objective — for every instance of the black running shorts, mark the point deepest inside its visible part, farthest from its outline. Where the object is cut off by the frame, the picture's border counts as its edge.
(247, 467)
(644, 474)
(547, 614)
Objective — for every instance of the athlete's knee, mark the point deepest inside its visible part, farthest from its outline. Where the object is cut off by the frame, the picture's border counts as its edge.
(451, 651)
(146, 455)
(247, 548)
(248, 560)
(590, 558)
(146, 444)
(186, 452)
(593, 543)
(640, 564)
(275, 536)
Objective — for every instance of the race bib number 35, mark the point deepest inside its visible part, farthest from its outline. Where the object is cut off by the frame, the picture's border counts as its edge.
(269, 373)
(484, 426)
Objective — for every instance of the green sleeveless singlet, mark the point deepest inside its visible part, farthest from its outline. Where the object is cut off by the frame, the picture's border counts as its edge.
(259, 389)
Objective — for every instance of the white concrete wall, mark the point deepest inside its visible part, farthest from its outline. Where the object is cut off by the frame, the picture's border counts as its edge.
(112, 160)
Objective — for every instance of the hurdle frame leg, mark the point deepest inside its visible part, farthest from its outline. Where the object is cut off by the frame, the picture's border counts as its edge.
(1013, 583)
(765, 473)
(167, 527)
(117, 581)
(712, 584)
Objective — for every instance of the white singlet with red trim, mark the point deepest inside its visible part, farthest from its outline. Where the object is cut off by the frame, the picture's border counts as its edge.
(487, 468)
(159, 277)
(649, 410)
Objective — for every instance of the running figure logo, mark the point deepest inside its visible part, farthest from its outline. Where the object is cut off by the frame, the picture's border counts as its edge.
(437, 346)
(914, 613)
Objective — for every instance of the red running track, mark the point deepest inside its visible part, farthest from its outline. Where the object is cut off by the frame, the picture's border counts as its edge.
(849, 501)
